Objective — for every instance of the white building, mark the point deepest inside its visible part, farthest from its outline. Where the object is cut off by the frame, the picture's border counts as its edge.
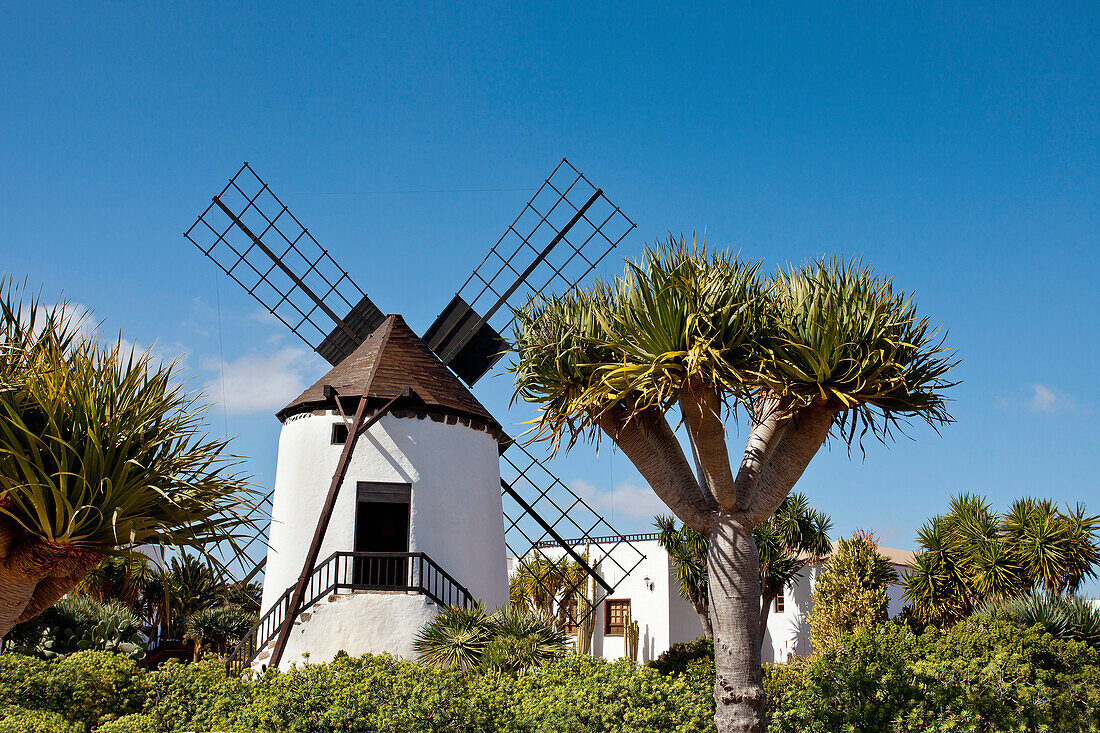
(421, 496)
(788, 632)
(651, 593)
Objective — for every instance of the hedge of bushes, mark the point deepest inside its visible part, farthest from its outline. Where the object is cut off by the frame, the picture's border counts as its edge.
(983, 675)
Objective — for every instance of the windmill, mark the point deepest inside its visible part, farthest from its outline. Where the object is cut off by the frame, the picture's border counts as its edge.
(561, 234)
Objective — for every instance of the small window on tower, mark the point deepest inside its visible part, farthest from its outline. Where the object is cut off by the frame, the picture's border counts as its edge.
(779, 603)
(339, 433)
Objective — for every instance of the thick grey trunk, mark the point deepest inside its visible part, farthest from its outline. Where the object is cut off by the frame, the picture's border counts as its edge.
(733, 564)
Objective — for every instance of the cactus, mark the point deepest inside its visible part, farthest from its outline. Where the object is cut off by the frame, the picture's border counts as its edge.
(586, 615)
(630, 636)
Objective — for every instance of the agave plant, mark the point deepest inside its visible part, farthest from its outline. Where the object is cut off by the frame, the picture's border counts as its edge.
(1063, 618)
(101, 450)
(75, 624)
(456, 638)
(812, 348)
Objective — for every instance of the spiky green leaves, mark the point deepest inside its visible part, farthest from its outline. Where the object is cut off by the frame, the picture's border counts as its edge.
(838, 333)
(101, 448)
(825, 332)
(972, 554)
(508, 641)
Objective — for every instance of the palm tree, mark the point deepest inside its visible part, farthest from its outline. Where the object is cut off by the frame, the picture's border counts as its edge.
(121, 578)
(217, 628)
(101, 450)
(971, 555)
(805, 351)
(547, 587)
(688, 551)
(795, 536)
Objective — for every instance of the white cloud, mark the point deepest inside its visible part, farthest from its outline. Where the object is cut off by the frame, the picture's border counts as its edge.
(261, 382)
(625, 500)
(1043, 399)
(1040, 399)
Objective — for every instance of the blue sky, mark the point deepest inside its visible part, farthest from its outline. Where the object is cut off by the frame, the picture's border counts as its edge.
(956, 150)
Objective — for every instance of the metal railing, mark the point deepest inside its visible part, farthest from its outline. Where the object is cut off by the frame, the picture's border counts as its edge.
(610, 539)
(409, 572)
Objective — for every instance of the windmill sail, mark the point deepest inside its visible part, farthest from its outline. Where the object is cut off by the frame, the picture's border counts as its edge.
(557, 239)
(254, 238)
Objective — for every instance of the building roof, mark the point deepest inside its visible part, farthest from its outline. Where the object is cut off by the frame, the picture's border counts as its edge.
(901, 558)
(391, 358)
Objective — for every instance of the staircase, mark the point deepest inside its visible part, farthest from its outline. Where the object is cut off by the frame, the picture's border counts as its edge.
(342, 572)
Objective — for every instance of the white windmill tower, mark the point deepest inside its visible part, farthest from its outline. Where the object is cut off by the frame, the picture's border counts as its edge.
(421, 507)
(390, 500)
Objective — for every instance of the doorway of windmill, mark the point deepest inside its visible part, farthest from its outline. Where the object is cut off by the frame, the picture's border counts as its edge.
(382, 526)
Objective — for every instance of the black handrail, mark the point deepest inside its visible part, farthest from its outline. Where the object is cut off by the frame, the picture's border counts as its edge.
(410, 572)
(640, 537)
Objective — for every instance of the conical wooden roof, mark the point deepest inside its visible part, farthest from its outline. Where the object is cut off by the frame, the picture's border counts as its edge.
(391, 358)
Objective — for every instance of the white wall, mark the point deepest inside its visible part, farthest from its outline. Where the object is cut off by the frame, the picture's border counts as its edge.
(663, 617)
(455, 515)
(788, 633)
(358, 623)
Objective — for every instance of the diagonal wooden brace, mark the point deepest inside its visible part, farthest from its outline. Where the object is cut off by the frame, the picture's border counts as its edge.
(357, 428)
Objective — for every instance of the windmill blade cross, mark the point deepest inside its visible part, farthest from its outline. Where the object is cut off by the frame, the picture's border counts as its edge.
(581, 226)
(251, 235)
(291, 275)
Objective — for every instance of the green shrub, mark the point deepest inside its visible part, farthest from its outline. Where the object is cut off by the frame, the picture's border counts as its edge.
(982, 675)
(196, 697)
(679, 656)
(94, 686)
(20, 720)
(137, 723)
(851, 592)
(87, 687)
(24, 681)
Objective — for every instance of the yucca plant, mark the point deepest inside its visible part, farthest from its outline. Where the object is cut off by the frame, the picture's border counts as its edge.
(217, 629)
(1064, 618)
(812, 348)
(507, 641)
(520, 640)
(456, 638)
(101, 450)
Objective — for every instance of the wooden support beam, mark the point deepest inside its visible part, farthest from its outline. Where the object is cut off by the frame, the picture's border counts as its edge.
(358, 427)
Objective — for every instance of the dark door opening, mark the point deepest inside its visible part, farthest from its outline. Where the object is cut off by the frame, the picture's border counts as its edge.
(382, 525)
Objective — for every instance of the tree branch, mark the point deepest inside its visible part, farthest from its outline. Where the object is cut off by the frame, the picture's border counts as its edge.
(796, 448)
(701, 408)
(649, 442)
(768, 427)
